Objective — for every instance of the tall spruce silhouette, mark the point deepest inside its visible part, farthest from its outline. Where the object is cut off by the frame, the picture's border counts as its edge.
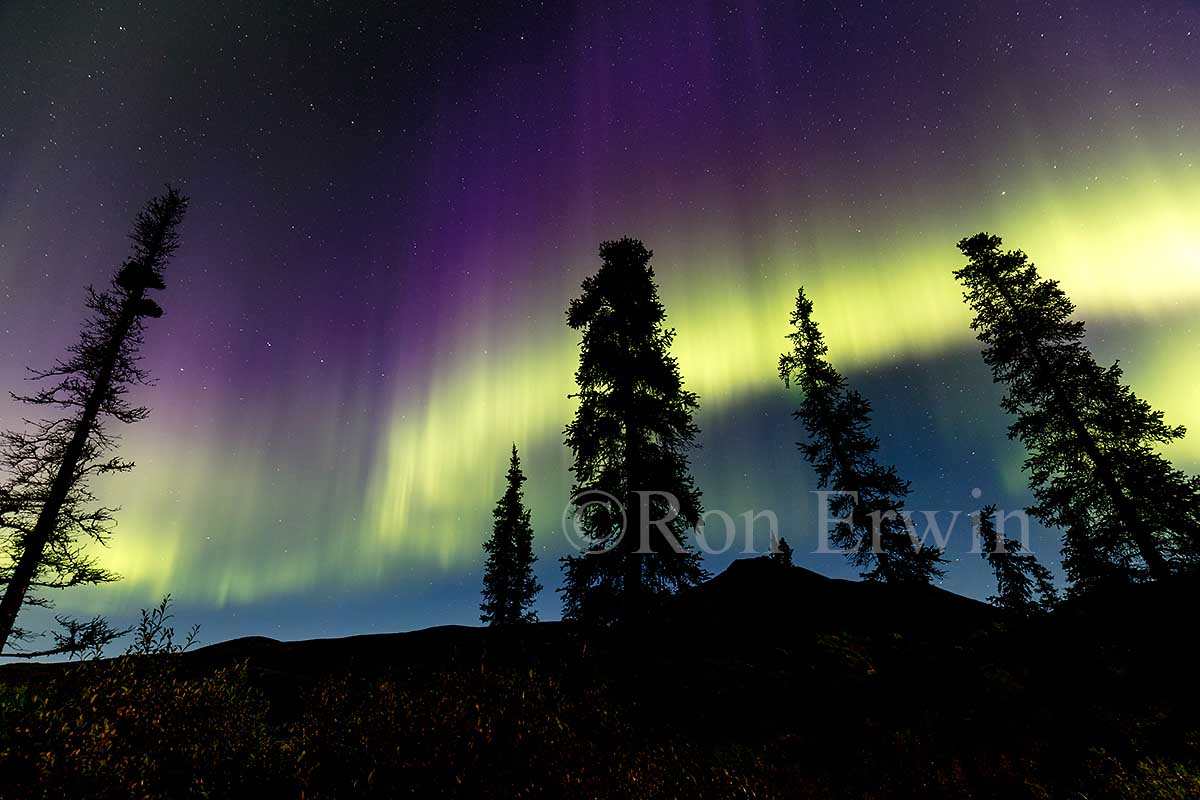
(1091, 443)
(47, 512)
(868, 497)
(509, 585)
(630, 437)
(1023, 585)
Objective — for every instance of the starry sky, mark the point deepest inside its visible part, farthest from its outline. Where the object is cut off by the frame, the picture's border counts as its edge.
(392, 207)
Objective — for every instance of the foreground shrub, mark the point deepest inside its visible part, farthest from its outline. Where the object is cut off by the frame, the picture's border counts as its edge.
(1148, 778)
(142, 728)
(135, 728)
(493, 734)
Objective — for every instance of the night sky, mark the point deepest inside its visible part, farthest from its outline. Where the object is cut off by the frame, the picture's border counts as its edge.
(392, 208)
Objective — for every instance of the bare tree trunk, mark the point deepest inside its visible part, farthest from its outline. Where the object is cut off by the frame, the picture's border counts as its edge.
(31, 555)
(631, 540)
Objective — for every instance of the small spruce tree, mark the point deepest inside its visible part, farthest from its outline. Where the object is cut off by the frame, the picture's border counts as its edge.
(1023, 585)
(509, 585)
(781, 551)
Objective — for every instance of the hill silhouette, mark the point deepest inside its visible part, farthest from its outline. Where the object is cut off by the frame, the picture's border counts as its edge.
(752, 598)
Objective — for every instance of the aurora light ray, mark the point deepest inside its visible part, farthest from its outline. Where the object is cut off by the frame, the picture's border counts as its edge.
(391, 213)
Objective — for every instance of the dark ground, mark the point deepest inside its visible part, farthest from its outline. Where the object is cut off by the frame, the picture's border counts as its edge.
(766, 681)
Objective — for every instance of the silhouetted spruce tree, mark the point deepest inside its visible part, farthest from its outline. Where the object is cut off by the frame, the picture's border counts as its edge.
(1091, 442)
(875, 531)
(1023, 585)
(47, 513)
(630, 438)
(781, 552)
(509, 585)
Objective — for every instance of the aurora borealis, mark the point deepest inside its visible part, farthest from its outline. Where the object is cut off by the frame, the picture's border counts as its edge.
(392, 208)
